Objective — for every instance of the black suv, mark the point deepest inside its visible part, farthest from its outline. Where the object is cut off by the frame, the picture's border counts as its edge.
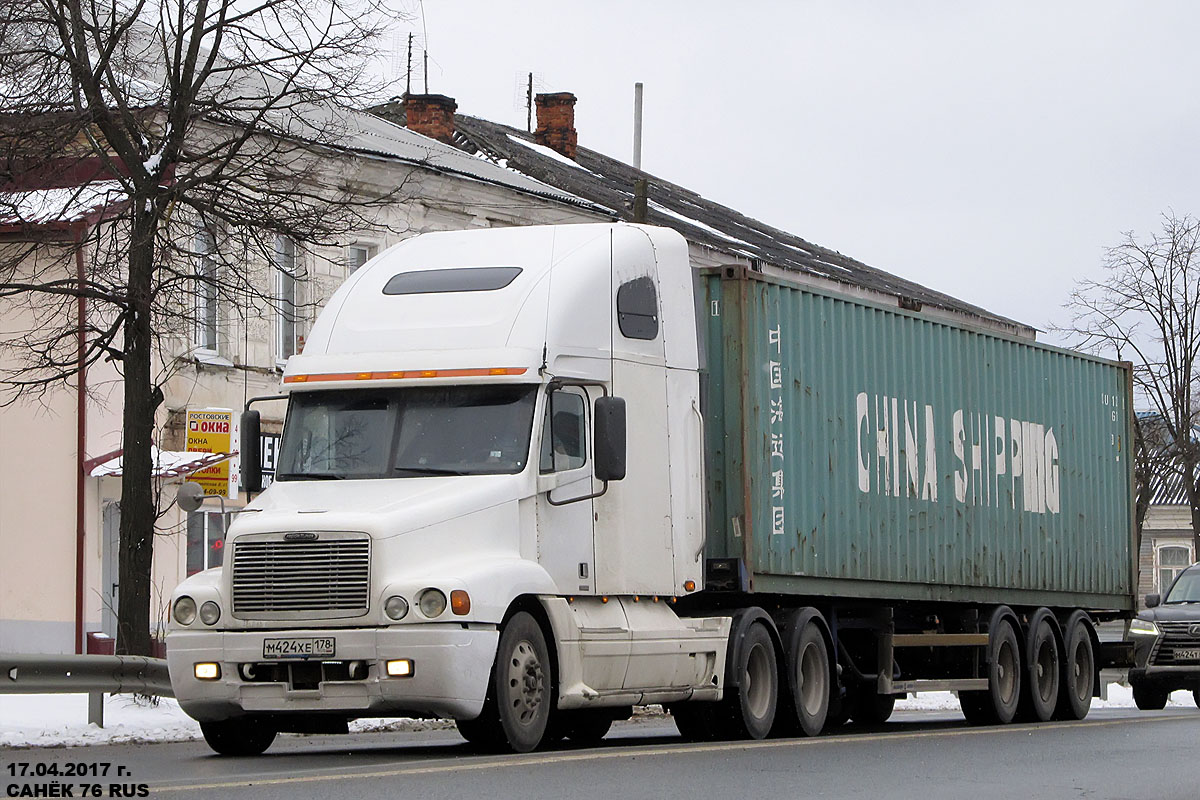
(1166, 643)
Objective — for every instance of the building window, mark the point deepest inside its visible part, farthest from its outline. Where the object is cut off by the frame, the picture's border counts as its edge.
(287, 313)
(205, 294)
(356, 256)
(205, 540)
(1171, 560)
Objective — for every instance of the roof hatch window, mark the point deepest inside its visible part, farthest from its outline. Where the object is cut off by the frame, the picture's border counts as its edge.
(637, 309)
(461, 279)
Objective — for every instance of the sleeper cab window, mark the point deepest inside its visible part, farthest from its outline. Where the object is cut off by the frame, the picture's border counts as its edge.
(637, 309)
(564, 432)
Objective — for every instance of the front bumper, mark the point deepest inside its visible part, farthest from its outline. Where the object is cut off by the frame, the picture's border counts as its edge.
(1169, 678)
(452, 666)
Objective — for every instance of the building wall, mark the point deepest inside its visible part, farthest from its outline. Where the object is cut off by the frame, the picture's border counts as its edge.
(1166, 526)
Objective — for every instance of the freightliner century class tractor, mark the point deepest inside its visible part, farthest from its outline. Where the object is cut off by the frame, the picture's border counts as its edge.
(530, 478)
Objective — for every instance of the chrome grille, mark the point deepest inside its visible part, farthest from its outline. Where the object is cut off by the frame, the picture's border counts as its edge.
(1173, 635)
(277, 579)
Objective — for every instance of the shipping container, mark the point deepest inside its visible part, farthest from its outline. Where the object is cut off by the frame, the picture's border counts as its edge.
(862, 451)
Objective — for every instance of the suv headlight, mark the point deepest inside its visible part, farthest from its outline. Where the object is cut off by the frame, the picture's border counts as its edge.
(1142, 627)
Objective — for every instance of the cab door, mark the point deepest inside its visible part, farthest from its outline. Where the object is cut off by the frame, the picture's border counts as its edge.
(565, 519)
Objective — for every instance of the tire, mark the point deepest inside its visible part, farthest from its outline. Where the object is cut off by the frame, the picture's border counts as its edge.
(808, 680)
(523, 684)
(1079, 669)
(697, 722)
(873, 709)
(999, 702)
(839, 713)
(244, 736)
(1043, 668)
(751, 705)
(585, 727)
(1150, 698)
(1196, 697)
(484, 731)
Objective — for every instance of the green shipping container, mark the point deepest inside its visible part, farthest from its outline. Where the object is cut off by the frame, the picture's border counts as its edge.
(856, 450)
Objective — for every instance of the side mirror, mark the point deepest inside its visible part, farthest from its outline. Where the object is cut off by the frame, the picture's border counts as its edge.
(610, 438)
(1153, 600)
(190, 496)
(251, 452)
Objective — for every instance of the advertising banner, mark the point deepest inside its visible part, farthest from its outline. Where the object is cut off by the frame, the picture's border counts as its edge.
(214, 430)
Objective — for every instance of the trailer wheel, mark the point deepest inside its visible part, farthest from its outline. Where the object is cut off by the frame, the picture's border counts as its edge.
(1150, 698)
(1043, 668)
(998, 703)
(697, 722)
(839, 713)
(804, 705)
(751, 706)
(1079, 670)
(523, 683)
(238, 737)
(873, 709)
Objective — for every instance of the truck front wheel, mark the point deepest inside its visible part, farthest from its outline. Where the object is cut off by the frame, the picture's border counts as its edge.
(523, 683)
(238, 737)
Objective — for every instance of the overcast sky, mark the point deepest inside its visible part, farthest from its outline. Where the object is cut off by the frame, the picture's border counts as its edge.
(989, 150)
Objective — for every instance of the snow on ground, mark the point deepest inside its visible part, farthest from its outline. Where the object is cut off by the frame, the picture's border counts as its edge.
(60, 720)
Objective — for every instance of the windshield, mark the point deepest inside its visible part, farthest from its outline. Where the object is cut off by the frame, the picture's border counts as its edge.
(405, 433)
(1186, 588)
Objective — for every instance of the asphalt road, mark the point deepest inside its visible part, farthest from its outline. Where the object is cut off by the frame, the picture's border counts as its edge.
(925, 755)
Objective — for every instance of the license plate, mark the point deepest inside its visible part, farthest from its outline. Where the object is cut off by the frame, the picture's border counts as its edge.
(298, 648)
(1187, 654)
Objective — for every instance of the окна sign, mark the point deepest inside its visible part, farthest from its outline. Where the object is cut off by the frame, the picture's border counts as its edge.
(214, 430)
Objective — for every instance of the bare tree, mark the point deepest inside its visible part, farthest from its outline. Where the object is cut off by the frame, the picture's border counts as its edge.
(172, 142)
(1147, 310)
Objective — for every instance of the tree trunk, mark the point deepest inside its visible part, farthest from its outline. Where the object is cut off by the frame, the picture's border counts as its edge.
(1193, 495)
(138, 509)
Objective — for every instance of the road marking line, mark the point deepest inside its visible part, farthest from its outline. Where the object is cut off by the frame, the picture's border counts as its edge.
(657, 750)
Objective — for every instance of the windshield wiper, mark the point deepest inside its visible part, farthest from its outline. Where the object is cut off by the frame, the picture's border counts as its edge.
(309, 476)
(430, 471)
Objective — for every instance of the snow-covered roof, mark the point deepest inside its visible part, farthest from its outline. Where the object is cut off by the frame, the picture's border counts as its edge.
(167, 463)
(46, 206)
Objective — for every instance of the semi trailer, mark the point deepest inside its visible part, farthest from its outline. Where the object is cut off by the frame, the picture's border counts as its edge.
(531, 478)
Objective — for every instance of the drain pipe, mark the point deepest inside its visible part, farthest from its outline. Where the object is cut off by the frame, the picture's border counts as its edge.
(80, 439)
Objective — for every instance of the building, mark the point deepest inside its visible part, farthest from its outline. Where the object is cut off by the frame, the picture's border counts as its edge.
(1167, 546)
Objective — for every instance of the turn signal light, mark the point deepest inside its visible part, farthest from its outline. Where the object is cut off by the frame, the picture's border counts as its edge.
(689, 586)
(460, 602)
(207, 671)
(400, 668)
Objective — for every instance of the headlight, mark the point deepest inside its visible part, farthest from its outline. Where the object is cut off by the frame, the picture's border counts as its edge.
(210, 612)
(432, 602)
(396, 607)
(185, 610)
(1143, 627)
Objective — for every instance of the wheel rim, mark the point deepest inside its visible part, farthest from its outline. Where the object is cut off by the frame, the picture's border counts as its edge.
(1081, 671)
(1006, 672)
(1046, 665)
(526, 682)
(811, 680)
(756, 685)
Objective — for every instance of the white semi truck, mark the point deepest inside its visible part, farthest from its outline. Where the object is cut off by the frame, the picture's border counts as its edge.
(508, 493)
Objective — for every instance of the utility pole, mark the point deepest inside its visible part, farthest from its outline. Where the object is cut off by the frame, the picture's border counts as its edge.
(529, 105)
(408, 69)
(637, 125)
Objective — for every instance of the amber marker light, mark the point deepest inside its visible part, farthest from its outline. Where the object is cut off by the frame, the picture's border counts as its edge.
(400, 668)
(689, 586)
(394, 375)
(603, 599)
(460, 602)
(207, 671)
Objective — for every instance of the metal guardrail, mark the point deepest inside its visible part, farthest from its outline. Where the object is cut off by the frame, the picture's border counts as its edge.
(79, 674)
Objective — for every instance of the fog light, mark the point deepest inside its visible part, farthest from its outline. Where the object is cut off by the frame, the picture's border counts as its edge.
(400, 668)
(460, 602)
(396, 607)
(210, 612)
(207, 671)
(185, 610)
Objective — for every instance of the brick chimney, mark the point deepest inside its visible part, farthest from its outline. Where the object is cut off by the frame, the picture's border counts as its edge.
(556, 122)
(431, 115)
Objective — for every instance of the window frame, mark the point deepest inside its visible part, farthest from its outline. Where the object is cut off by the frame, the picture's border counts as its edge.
(283, 317)
(547, 431)
(1160, 567)
(368, 250)
(207, 538)
(206, 325)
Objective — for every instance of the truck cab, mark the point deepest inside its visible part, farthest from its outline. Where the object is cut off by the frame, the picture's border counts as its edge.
(493, 444)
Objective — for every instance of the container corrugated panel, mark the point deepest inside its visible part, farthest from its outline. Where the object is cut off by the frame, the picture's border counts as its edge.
(855, 450)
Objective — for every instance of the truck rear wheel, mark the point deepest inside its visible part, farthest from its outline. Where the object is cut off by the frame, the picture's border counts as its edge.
(244, 736)
(998, 703)
(523, 683)
(1043, 669)
(1079, 669)
(804, 707)
(751, 706)
(872, 709)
